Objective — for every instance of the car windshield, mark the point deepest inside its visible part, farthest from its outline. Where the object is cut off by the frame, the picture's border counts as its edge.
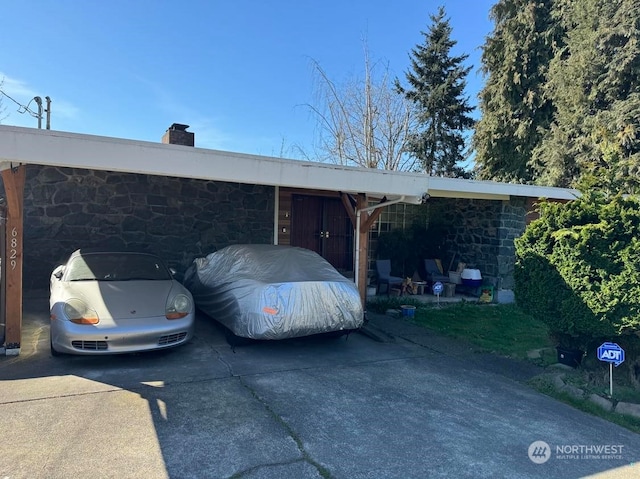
(116, 267)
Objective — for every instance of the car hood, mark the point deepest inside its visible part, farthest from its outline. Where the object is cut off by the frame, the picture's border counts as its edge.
(122, 299)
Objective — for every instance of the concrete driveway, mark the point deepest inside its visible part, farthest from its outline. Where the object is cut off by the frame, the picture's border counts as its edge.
(408, 405)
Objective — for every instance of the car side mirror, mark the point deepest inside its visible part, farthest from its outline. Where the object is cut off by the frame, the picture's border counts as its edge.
(58, 274)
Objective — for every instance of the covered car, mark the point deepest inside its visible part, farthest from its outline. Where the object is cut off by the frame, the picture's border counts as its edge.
(261, 291)
(104, 302)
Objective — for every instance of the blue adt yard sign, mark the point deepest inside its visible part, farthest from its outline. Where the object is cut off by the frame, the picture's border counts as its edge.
(611, 353)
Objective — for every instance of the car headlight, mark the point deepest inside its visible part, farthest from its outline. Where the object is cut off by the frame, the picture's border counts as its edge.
(178, 307)
(78, 312)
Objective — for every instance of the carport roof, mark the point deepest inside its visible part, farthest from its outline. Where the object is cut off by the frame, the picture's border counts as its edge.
(55, 148)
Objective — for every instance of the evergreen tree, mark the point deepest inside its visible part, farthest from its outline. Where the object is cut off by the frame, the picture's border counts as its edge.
(436, 88)
(594, 80)
(562, 97)
(515, 109)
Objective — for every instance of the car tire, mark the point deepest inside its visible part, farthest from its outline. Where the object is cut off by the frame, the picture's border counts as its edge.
(337, 334)
(233, 340)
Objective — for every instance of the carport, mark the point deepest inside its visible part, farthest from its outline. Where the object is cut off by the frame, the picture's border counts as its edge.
(356, 187)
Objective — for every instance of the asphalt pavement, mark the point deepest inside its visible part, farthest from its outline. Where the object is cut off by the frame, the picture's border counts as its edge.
(392, 402)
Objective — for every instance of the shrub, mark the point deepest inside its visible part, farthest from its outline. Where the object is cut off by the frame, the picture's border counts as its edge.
(578, 269)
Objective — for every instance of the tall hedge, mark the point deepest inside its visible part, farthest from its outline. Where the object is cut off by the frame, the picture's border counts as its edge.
(578, 269)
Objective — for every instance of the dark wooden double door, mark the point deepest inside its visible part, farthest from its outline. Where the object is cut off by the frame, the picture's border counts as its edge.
(322, 225)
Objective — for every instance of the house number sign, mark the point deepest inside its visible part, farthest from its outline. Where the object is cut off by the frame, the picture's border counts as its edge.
(13, 248)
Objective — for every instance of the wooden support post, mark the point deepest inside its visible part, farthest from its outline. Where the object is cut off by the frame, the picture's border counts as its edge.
(13, 180)
(363, 251)
(349, 208)
(366, 221)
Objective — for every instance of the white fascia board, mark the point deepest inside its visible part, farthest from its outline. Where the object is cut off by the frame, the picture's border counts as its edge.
(472, 195)
(461, 188)
(55, 148)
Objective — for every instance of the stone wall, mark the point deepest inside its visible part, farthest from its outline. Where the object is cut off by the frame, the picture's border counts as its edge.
(179, 219)
(482, 233)
(473, 234)
(513, 221)
(479, 233)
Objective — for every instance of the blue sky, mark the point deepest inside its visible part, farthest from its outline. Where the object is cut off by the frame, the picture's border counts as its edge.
(238, 72)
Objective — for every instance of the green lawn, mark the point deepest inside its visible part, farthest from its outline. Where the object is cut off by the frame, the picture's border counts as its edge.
(503, 329)
(500, 328)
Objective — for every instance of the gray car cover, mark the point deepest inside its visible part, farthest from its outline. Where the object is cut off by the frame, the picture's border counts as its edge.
(274, 292)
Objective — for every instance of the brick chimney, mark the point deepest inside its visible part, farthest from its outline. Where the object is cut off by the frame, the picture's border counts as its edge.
(177, 134)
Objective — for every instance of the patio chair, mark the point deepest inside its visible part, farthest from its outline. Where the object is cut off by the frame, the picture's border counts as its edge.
(433, 273)
(383, 273)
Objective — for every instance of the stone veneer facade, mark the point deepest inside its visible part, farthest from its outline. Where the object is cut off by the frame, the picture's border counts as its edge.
(181, 219)
(178, 219)
(479, 233)
(482, 236)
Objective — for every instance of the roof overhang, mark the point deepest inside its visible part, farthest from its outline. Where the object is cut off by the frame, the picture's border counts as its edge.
(492, 190)
(54, 148)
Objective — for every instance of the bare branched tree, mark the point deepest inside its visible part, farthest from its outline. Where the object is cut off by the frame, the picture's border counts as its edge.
(3, 108)
(365, 122)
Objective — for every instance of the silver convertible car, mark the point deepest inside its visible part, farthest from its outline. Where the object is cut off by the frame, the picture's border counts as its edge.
(105, 302)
